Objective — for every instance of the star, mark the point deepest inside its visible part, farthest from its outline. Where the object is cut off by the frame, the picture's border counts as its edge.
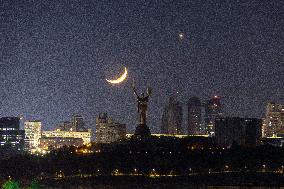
(181, 35)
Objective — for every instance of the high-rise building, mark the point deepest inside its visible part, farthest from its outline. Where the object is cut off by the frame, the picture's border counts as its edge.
(213, 110)
(242, 131)
(78, 123)
(194, 116)
(33, 133)
(65, 126)
(108, 131)
(172, 118)
(10, 133)
(274, 120)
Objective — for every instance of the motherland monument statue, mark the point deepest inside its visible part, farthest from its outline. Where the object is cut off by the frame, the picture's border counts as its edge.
(142, 130)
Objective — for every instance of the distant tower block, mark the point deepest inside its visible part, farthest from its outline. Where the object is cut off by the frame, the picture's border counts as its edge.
(213, 110)
(274, 121)
(194, 116)
(78, 123)
(108, 131)
(172, 118)
(33, 133)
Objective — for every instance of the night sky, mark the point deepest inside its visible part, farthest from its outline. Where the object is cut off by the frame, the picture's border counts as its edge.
(56, 55)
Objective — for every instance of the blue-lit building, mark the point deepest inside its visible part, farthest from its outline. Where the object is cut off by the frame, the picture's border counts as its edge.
(10, 133)
(172, 118)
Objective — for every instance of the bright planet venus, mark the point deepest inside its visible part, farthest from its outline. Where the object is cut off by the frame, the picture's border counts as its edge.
(119, 79)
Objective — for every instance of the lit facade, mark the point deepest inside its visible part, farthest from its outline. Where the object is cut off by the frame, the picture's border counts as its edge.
(172, 118)
(274, 120)
(213, 110)
(242, 131)
(194, 116)
(85, 136)
(33, 133)
(50, 143)
(10, 133)
(263, 127)
(108, 131)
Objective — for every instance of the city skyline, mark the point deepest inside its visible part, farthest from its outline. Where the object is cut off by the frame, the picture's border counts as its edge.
(55, 57)
(184, 122)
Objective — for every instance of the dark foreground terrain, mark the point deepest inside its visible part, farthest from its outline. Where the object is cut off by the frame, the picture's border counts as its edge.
(212, 181)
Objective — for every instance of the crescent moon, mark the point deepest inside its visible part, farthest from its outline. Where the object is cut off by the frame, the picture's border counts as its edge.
(120, 79)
